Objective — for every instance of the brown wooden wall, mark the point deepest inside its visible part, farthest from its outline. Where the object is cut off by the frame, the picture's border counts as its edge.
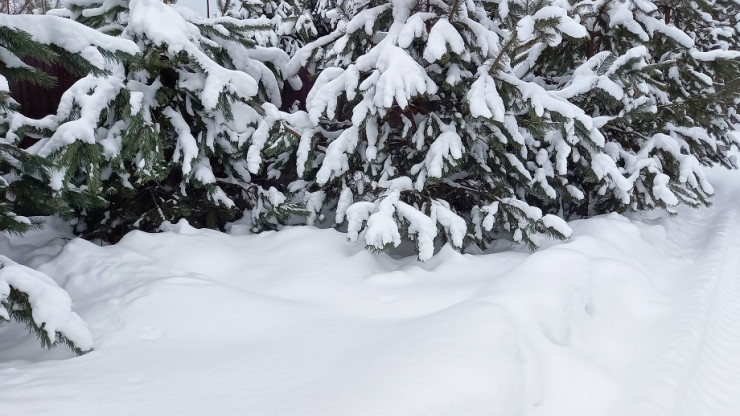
(37, 102)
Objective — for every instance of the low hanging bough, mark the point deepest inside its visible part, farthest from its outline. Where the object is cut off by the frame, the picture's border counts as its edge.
(35, 300)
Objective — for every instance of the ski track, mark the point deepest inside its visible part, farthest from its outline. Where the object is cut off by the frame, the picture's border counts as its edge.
(699, 374)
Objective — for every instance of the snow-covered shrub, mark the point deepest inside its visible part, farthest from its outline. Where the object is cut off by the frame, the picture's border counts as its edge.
(164, 136)
(34, 299)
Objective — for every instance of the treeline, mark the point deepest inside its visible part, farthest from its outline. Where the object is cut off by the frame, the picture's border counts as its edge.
(433, 122)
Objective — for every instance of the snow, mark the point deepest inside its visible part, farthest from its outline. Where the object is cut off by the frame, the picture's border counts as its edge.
(621, 15)
(443, 37)
(186, 147)
(447, 146)
(89, 97)
(585, 78)
(630, 316)
(69, 35)
(181, 35)
(335, 161)
(345, 200)
(382, 229)
(483, 98)
(421, 226)
(454, 225)
(655, 25)
(710, 56)
(566, 25)
(401, 77)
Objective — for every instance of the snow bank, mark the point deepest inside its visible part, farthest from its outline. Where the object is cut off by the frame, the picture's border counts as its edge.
(301, 322)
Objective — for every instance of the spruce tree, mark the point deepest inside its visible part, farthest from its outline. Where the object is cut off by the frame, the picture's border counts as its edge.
(422, 130)
(28, 296)
(19, 170)
(470, 121)
(164, 136)
(661, 80)
(292, 20)
(24, 176)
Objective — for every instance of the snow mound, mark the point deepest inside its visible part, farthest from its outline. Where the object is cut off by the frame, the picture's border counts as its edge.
(301, 322)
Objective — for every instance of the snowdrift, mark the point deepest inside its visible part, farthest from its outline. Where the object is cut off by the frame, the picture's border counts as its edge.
(301, 322)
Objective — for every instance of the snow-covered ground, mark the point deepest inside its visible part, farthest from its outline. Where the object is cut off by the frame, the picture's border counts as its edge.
(629, 317)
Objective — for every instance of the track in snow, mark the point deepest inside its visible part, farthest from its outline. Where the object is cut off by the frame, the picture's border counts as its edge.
(699, 374)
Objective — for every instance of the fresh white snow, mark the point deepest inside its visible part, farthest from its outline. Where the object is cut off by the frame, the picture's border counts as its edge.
(628, 317)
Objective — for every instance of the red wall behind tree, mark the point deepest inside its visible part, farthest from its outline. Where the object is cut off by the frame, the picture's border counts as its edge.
(36, 101)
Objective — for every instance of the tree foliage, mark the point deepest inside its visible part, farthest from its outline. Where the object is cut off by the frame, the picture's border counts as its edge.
(163, 135)
(460, 122)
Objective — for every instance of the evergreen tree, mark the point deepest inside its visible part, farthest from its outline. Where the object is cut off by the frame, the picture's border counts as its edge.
(15, 163)
(164, 136)
(421, 129)
(463, 122)
(40, 39)
(663, 95)
(292, 20)
(468, 121)
(28, 296)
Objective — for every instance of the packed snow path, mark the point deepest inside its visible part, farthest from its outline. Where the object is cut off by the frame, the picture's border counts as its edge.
(699, 374)
(629, 317)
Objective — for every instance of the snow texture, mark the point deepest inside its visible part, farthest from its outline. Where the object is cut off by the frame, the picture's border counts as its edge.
(628, 317)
